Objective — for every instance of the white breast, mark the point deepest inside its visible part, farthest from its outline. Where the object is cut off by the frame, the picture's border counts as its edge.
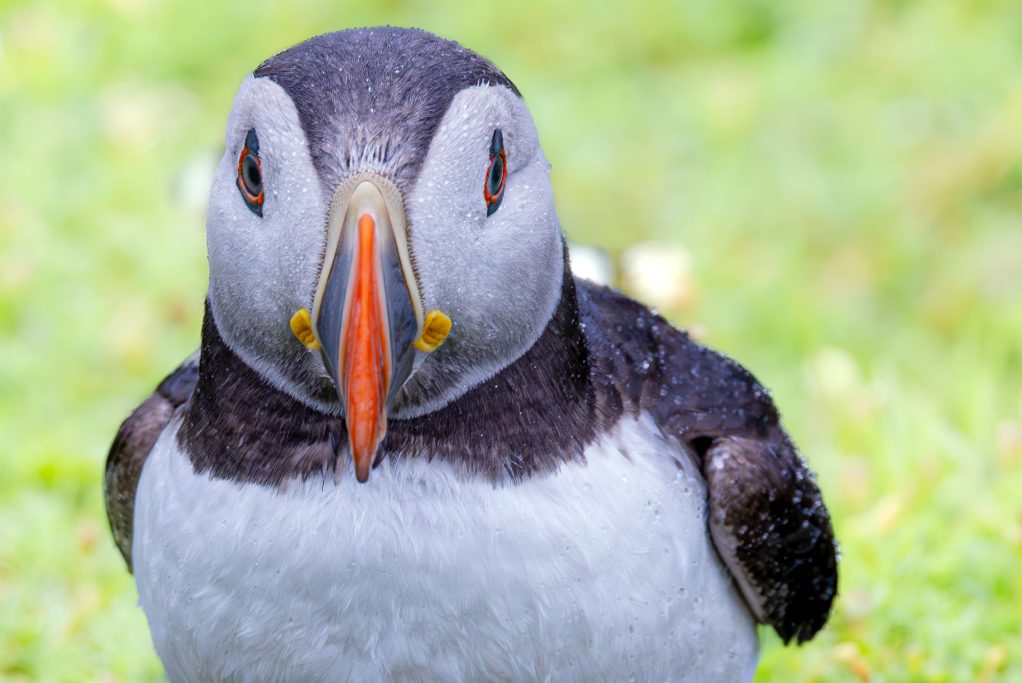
(598, 572)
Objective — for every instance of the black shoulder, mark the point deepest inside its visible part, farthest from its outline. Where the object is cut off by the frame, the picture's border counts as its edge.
(131, 447)
(766, 514)
(644, 363)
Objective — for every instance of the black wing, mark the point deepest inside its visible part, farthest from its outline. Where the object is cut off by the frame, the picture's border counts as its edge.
(132, 444)
(769, 523)
(766, 515)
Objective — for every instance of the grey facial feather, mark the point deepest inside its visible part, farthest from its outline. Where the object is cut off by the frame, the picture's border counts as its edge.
(498, 277)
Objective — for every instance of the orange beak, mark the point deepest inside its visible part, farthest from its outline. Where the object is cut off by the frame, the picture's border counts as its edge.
(365, 370)
(367, 312)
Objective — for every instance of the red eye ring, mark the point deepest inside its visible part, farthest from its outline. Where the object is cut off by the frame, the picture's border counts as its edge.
(496, 174)
(250, 174)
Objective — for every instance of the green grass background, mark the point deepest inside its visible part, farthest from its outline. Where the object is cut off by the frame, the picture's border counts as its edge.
(845, 174)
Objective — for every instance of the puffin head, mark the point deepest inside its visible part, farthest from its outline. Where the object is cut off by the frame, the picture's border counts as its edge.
(381, 231)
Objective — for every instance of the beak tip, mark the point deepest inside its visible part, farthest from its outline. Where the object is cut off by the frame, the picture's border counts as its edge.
(363, 454)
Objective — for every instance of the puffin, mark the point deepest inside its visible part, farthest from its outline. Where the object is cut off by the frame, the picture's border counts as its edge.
(412, 446)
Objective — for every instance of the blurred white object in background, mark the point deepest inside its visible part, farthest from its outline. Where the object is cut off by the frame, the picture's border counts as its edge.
(659, 274)
(591, 263)
(190, 185)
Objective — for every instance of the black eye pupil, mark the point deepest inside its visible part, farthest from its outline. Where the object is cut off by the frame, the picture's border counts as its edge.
(253, 178)
(493, 190)
(496, 175)
(250, 174)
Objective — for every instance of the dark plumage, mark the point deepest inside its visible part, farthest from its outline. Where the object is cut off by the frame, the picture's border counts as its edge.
(770, 525)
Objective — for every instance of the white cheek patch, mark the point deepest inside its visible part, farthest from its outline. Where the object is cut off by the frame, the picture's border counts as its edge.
(498, 277)
(262, 269)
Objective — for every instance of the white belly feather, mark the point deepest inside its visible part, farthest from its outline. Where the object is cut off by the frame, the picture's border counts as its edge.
(598, 572)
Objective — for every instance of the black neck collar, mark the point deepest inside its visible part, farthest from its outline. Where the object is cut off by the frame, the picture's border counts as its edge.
(527, 419)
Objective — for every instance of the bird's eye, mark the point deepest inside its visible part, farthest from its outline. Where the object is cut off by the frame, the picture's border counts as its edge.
(250, 174)
(496, 174)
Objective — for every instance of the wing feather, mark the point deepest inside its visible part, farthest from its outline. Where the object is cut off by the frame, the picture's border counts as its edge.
(771, 528)
(134, 441)
(765, 513)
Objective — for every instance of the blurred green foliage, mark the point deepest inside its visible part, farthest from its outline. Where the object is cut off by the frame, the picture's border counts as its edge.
(845, 175)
